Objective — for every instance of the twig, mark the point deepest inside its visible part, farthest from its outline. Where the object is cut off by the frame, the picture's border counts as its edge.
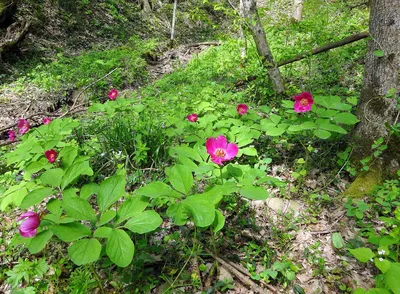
(338, 173)
(233, 7)
(5, 143)
(245, 280)
(241, 269)
(211, 43)
(26, 110)
(88, 86)
(328, 231)
(28, 117)
(322, 232)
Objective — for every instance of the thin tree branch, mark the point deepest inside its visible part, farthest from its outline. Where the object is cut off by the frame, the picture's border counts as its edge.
(326, 47)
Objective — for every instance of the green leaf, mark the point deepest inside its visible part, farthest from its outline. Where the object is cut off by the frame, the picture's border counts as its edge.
(186, 152)
(84, 251)
(144, 222)
(120, 248)
(52, 177)
(157, 189)
(275, 118)
(132, 207)
(88, 190)
(37, 243)
(352, 100)
(249, 151)
(337, 240)
(266, 124)
(254, 193)
(35, 197)
(70, 193)
(333, 128)
(67, 155)
(13, 195)
(362, 254)
(383, 265)
(377, 291)
(37, 166)
(78, 209)
(54, 206)
(392, 278)
(322, 134)
(180, 177)
(74, 171)
(294, 128)
(275, 131)
(379, 53)
(71, 232)
(111, 190)
(326, 113)
(219, 221)
(106, 217)
(308, 125)
(287, 103)
(102, 232)
(346, 118)
(200, 210)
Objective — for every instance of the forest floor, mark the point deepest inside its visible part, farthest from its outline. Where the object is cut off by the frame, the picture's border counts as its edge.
(293, 227)
(302, 229)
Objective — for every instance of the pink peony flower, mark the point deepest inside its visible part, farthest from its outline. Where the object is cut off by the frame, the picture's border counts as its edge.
(51, 155)
(193, 117)
(31, 222)
(113, 94)
(11, 135)
(303, 102)
(220, 150)
(23, 126)
(242, 109)
(46, 120)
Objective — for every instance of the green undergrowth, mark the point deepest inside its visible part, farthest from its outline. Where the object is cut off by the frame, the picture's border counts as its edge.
(160, 201)
(127, 64)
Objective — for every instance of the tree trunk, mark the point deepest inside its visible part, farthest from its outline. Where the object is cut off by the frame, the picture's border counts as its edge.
(381, 77)
(173, 22)
(145, 5)
(243, 50)
(258, 33)
(298, 9)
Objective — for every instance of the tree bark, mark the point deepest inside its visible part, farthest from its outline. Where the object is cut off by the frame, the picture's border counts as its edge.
(380, 76)
(258, 33)
(298, 9)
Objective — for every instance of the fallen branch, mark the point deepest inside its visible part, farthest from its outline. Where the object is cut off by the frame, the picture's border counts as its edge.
(212, 43)
(241, 269)
(243, 278)
(326, 47)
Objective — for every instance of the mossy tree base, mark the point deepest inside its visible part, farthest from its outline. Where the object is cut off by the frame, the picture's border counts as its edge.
(364, 183)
